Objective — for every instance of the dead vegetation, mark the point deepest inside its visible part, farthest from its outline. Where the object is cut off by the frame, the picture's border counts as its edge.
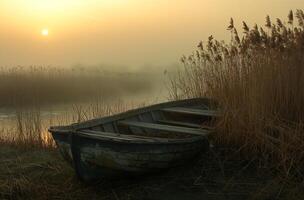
(29, 129)
(257, 78)
(43, 174)
(26, 86)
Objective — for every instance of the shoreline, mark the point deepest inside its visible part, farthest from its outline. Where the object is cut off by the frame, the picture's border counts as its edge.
(42, 174)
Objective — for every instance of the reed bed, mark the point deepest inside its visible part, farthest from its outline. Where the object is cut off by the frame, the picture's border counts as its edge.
(29, 128)
(84, 93)
(24, 86)
(29, 132)
(258, 79)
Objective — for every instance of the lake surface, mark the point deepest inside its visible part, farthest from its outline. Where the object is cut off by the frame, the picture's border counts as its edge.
(66, 113)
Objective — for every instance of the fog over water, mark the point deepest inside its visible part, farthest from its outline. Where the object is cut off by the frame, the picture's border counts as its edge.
(56, 96)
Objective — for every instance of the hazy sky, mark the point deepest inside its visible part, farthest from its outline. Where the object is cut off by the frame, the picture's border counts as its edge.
(120, 32)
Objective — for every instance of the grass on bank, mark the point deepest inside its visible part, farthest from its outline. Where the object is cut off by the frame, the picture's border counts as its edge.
(258, 79)
(43, 174)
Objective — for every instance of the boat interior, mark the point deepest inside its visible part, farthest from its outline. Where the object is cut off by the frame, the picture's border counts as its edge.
(169, 122)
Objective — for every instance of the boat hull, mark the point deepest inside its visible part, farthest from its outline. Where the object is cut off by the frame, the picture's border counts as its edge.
(63, 143)
(94, 159)
(137, 141)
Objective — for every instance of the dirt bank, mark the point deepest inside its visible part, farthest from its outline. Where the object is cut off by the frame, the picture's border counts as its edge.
(42, 174)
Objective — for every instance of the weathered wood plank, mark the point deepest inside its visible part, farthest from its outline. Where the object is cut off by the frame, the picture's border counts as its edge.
(168, 128)
(178, 123)
(152, 156)
(133, 162)
(108, 127)
(193, 111)
(99, 134)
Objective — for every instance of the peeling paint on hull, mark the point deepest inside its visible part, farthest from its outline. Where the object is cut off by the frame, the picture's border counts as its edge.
(94, 160)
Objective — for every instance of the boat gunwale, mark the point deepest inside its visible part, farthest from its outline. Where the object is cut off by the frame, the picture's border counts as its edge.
(130, 113)
(145, 140)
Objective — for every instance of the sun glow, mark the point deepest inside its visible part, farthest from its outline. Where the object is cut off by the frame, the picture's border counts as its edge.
(45, 32)
(49, 5)
(65, 17)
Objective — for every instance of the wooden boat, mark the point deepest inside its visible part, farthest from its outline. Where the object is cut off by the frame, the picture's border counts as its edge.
(138, 141)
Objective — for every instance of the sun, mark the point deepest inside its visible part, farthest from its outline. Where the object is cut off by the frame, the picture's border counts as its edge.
(45, 32)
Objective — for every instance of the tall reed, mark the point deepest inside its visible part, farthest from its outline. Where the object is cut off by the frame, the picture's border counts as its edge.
(26, 86)
(29, 128)
(258, 79)
(26, 130)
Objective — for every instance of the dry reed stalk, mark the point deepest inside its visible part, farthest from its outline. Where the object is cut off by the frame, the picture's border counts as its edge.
(30, 130)
(258, 81)
(33, 85)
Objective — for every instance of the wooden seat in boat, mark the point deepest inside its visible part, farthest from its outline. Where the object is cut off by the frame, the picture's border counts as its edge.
(169, 128)
(179, 123)
(192, 111)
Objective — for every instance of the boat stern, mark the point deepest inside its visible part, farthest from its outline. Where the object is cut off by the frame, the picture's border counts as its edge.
(62, 137)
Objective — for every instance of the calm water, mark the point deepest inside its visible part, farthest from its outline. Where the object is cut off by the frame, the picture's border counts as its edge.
(63, 114)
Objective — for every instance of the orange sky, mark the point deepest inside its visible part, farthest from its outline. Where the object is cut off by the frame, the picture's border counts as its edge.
(130, 33)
